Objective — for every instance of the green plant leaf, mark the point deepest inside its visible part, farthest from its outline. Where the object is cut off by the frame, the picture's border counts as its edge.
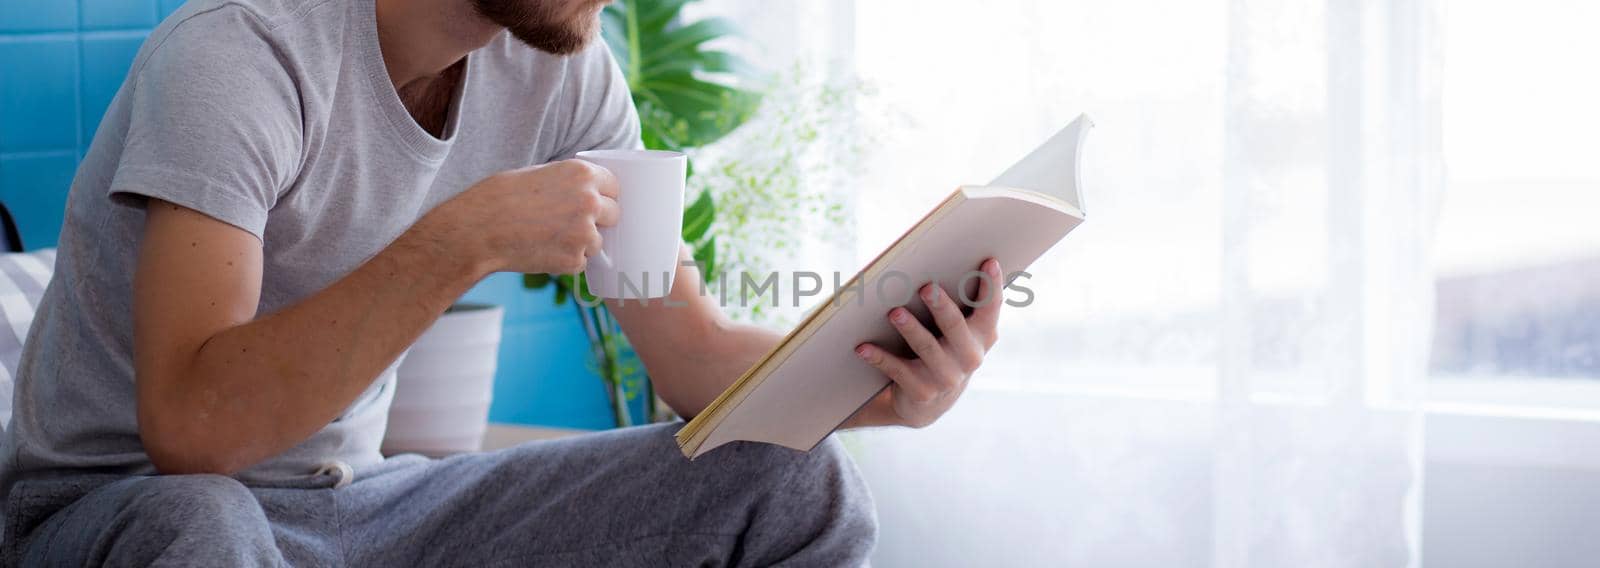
(614, 30)
(705, 255)
(659, 129)
(580, 287)
(697, 218)
(706, 111)
(721, 62)
(685, 41)
(535, 281)
(688, 95)
(659, 13)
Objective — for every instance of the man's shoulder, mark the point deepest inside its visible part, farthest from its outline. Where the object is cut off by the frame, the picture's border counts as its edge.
(243, 44)
(279, 28)
(268, 14)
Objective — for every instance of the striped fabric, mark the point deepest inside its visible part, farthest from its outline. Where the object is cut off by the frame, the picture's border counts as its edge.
(23, 277)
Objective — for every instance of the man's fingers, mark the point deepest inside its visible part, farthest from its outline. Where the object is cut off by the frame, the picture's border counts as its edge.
(927, 348)
(986, 317)
(595, 245)
(605, 184)
(963, 347)
(609, 212)
(898, 370)
(876, 412)
(604, 181)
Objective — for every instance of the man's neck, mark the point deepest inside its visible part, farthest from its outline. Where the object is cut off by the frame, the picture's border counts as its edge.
(421, 38)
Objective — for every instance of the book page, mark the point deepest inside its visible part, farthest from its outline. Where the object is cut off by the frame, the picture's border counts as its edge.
(1052, 168)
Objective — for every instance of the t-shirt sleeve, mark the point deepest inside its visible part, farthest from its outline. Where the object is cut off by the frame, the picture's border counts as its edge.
(214, 122)
(603, 116)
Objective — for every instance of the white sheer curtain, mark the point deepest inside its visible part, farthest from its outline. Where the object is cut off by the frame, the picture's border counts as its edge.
(1223, 366)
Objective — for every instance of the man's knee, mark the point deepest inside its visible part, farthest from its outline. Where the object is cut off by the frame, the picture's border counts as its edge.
(187, 519)
(828, 464)
(831, 464)
(818, 497)
(823, 481)
(211, 509)
(184, 497)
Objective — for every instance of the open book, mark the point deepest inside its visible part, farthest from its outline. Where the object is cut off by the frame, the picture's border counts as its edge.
(812, 382)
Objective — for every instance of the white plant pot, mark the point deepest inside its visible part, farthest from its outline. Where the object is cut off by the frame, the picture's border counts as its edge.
(443, 388)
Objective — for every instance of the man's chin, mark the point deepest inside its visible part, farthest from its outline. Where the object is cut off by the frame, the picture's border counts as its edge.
(556, 42)
(544, 26)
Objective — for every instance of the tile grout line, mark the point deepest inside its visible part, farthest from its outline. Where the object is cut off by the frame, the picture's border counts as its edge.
(58, 35)
(37, 154)
(77, 91)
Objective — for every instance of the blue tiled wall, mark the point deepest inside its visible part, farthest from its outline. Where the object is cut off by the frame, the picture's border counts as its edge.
(61, 62)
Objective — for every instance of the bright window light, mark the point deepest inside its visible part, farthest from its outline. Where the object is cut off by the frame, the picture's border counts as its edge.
(1518, 244)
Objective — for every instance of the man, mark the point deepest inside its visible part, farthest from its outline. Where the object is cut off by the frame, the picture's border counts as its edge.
(282, 197)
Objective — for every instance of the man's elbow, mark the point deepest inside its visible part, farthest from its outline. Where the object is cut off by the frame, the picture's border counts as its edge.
(180, 446)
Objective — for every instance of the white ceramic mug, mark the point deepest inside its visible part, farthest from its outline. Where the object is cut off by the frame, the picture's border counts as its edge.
(640, 253)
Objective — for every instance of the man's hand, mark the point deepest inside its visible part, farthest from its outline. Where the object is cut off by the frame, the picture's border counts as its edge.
(924, 387)
(542, 219)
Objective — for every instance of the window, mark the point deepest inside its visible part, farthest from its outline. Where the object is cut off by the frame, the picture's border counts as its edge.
(1517, 253)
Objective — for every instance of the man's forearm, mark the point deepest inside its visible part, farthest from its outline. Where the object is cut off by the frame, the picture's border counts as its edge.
(703, 375)
(691, 350)
(259, 388)
(697, 368)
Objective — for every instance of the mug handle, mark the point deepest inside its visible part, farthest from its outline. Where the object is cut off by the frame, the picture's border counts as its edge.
(599, 258)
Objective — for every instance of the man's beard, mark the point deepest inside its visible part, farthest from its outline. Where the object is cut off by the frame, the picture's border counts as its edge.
(559, 27)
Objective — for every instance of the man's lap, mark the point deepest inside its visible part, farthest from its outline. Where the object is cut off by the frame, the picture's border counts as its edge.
(619, 497)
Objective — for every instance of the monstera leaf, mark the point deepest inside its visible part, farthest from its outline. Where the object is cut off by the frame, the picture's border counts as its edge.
(687, 94)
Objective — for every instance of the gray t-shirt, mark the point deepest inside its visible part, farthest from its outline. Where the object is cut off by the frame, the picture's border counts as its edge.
(278, 117)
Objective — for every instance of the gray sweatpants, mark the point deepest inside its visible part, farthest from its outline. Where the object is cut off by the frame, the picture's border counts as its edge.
(618, 498)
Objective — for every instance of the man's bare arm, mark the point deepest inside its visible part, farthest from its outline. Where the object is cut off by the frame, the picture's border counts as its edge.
(221, 388)
(692, 350)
